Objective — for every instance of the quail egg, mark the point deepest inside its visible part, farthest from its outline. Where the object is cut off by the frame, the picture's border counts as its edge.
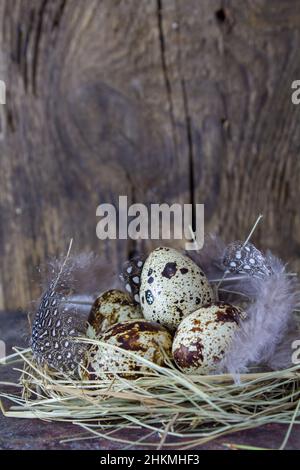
(203, 337)
(113, 306)
(147, 339)
(172, 286)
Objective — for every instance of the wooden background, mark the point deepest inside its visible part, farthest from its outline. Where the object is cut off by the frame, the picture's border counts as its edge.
(160, 100)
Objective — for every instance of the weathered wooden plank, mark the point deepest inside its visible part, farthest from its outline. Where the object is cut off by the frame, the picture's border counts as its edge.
(160, 100)
(239, 60)
(88, 119)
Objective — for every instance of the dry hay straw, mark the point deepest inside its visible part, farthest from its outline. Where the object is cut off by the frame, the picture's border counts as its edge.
(165, 402)
(192, 409)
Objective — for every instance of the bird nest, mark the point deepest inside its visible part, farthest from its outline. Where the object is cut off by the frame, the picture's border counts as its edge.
(256, 384)
(163, 403)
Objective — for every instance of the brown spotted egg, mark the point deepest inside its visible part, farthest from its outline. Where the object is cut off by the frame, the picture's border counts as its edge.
(147, 339)
(112, 307)
(203, 337)
(172, 286)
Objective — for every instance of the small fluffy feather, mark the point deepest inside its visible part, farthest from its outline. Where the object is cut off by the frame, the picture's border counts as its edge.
(86, 274)
(209, 258)
(269, 322)
(265, 338)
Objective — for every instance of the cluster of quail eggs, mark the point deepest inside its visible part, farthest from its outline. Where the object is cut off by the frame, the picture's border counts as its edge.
(169, 311)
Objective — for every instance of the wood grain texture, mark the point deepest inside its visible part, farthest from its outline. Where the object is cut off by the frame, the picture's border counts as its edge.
(160, 100)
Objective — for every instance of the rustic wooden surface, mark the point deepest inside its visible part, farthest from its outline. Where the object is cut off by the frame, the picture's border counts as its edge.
(160, 100)
(35, 434)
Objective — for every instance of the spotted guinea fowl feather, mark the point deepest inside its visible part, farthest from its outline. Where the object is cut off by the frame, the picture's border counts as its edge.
(61, 316)
(245, 258)
(131, 276)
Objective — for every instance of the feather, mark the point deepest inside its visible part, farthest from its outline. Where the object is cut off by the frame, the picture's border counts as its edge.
(72, 285)
(131, 276)
(85, 274)
(245, 258)
(269, 321)
(209, 259)
(264, 338)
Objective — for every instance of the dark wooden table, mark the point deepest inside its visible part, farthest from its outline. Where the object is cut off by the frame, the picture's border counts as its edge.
(35, 434)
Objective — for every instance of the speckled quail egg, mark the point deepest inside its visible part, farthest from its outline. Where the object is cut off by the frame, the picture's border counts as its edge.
(203, 337)
(172, 286)
(113, 306)
(146, 339)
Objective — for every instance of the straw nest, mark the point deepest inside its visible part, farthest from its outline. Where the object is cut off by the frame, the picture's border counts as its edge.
(164, 402)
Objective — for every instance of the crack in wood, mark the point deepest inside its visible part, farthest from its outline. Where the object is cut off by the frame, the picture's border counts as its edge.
(22, 42)
(165, 70)
(190, 151)
(188, 125)
(58, 15)
(36, 47)
(132, 245)
(25, 46)
(19, 44)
